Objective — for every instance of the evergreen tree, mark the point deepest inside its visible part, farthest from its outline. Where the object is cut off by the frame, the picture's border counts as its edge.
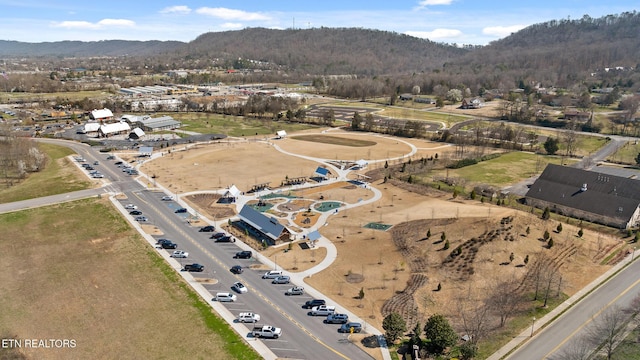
(394, 326)
(439, 334)
(559, 228)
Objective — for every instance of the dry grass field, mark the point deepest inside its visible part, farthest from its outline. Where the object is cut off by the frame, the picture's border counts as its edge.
(398, 269)
(78, 271)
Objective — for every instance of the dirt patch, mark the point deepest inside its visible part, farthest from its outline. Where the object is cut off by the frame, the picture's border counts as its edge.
(294, 258)
(207, 204)
(151, 230)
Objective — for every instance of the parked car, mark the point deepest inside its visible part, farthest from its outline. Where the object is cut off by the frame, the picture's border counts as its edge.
(167, 198)
(337, 319)
(168, 244)
(243, 255)
(225, 297)
(130, 207)
(347, 328)
(245, 317)
(96, 163)
(118, 163)
(208, 228)
(236, 269)
(226, 239)
(180, 254)
(180, 210)
(272, 274)
(322, 310)
(239, 287)
(296, 290)
(141, 219)
(111, 157)
(135, 212)
(194, 267)
(315, 302)
(217, 235)
(97, 176)
(284, 279)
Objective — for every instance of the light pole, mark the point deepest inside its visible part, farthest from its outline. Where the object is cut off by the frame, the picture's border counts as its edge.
(533, 322)
(633, 253)
(275, 262)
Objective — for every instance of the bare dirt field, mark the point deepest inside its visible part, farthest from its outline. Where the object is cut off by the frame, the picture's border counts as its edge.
(401, 268)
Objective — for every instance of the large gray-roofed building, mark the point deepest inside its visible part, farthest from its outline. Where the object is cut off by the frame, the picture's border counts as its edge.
(150, 124)
(264, 224)
(161, 123)
(589, 195)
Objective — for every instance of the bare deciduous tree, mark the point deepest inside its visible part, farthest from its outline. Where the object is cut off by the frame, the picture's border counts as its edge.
(607, 329)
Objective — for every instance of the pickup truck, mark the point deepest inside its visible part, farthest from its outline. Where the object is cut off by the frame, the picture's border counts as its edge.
(296, 290)
(266, 331)
(322, 310)
(248, 317)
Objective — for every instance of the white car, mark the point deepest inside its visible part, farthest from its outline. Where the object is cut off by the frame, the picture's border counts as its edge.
(225, 297)
(167, 198)
(131, 207)
(180, 254)
(239, 287)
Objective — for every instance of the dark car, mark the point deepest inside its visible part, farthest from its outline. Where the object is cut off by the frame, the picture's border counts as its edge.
(217, 235)
(236, 269)
(167, 244)
(208, 228)
(351, 326)
(180, 210)
(243, 255)
(315, 302)
(118, 163)
(135, 212)
(337, 319)
(227, 239)
(194, 267)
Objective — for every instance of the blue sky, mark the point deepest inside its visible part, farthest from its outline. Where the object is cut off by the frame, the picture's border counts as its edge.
(449, 21)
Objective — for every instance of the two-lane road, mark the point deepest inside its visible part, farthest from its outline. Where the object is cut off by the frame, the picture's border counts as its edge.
(556, 339)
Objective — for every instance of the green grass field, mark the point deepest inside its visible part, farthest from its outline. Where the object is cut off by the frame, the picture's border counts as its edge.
(206, 123)
(507, 169)
(58, 177)
(626, 154)
(81, 272)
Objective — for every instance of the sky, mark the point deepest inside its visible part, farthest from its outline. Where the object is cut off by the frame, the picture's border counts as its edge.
(459, 22)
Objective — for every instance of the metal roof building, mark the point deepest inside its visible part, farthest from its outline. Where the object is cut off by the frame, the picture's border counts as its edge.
(101, 114)
(266, 225)
(589, 195)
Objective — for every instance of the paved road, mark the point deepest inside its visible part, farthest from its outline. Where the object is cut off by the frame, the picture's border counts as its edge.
(304, 337)
(559, 337)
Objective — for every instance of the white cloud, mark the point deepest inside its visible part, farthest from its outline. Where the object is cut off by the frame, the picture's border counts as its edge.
(231, 26)
(231, 14)
(104, 23)
(424, 3)
(437, 34)
(178, 9)
(75, 25)
(502, 31)
(116, 22)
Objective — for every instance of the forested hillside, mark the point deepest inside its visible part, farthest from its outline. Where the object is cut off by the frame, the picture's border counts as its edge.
(560, 51)
(325, 51)
(557, 52)
(86, 48)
